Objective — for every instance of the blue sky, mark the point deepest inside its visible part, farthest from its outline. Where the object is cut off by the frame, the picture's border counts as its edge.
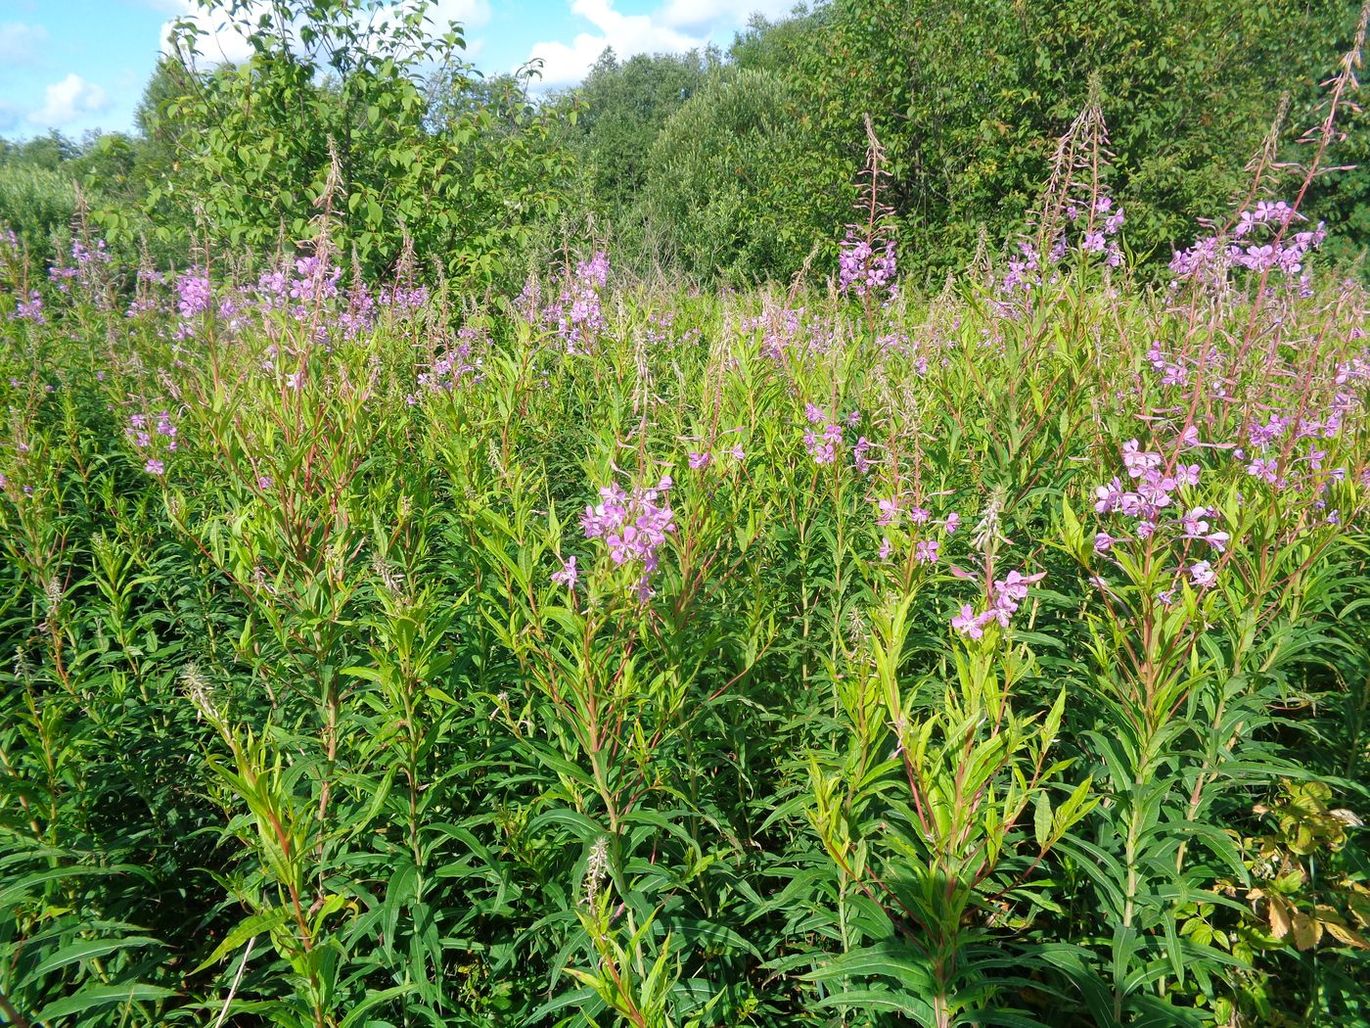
(75, 65)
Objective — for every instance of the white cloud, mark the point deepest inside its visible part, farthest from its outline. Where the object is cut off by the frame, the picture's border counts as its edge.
(471, 13)
(221, 41)
(563, 64)
(707, 17)
(19, 43)
(69, 101)
(674, 27)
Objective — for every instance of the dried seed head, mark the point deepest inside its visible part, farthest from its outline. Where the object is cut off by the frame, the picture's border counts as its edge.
(335, 559)
(198, 691)
(857, 628)
(52, 593)
(391, 577)
(987, 530)
(596, 868)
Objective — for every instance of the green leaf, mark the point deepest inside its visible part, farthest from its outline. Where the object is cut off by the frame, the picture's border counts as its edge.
(1041, 820)
(93, 996)
(87, 950)
(246, 929)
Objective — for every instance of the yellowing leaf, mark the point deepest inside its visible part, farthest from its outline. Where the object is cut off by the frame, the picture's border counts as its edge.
(1307, 931)
(1345, 935)
(1279, 917)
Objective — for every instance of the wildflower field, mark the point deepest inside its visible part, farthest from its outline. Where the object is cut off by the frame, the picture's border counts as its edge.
(393, 650)
(373, 657)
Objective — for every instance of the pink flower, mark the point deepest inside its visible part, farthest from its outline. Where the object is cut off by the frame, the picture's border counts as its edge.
(967, 623)
(858, 455)
(927, 551)
(699, 460)
(633, 527)
(1015, 586)
(1203, 574)
(823, 448)
(568, 575)
(1187, 474)
(1266, 470)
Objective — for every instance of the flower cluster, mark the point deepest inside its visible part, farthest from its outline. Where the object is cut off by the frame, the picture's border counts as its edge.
(1153, 491)
(860, 461)
(153, 436)
(822, 443)
(1096, 238)
(1099, 221)
(458, 365)
(1272, 452)
(30, 309)
(403, 299)
(780, 329)
(925, 550)
(193, 294)
(315, 280)
(1176, 371)
(1156, 488)
(302, 286)
(1006, 597)
(1282, 251)
(1197, 525)
(84, 268)
(633, 526)
(579, 315)
(360, 315)
(568, 575)
(865, 267)
(1019, 269)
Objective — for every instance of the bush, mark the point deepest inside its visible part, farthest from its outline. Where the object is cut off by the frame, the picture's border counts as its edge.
(38, 204)
(720, 196)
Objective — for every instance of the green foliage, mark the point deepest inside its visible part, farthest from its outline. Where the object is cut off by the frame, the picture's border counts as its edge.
(340, 691)
(623, 108)
(37, 204)
(968, 101)
(719, 197)
(689, 173)
(299, 727)
(330, 109)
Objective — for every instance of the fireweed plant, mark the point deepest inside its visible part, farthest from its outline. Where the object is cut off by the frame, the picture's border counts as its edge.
(607, 654)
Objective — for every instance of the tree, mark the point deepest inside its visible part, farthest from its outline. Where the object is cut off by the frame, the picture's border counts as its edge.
(624, 108)
(332, 97)
(730, 189)
(968, 99)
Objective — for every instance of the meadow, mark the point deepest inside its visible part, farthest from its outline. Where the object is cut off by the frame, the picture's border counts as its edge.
(462, 591)
(614, 652)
